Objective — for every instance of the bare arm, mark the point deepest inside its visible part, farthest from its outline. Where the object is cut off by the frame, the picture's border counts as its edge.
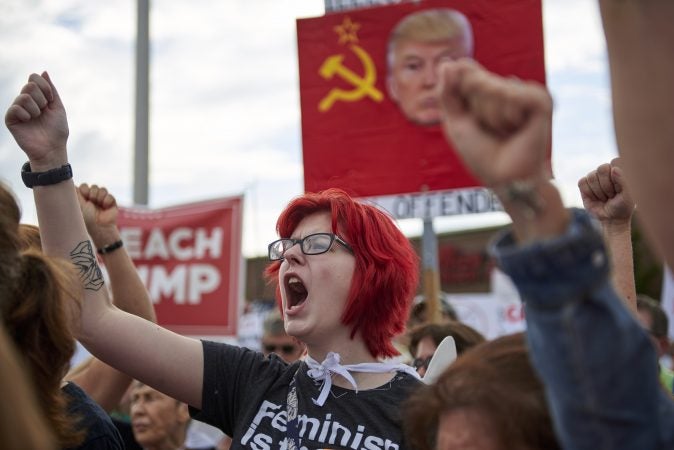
(158, 357)
(606, 197)
(100, 211)
(501, 129)
(105, 384)
(640, 43)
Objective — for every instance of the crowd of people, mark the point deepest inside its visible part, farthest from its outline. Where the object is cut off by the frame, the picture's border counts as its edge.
(584, 375)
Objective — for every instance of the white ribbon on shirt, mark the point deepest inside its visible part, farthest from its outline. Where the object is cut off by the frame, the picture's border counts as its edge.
(323, 372)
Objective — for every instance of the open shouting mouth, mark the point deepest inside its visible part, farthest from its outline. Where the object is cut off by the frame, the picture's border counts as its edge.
(296, 293)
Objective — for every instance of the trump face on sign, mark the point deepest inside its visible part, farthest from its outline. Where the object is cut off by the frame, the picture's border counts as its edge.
(417, 44)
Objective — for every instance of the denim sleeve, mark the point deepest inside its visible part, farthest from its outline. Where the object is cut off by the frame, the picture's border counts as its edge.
(597, 363)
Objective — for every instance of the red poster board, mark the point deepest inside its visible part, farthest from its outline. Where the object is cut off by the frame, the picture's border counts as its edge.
(189, 258)
(353, 135)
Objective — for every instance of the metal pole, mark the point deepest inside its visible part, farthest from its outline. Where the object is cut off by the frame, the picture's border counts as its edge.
(141, 150)
(431, 277)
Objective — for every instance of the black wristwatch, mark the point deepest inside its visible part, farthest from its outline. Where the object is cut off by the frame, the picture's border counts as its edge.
(53, 176)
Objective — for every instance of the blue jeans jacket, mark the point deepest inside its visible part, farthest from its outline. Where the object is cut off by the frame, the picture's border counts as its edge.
(597, 363)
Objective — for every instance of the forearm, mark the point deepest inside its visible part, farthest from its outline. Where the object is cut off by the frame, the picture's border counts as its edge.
(619, 241)
(541, 215)
(64, 235)
(128, 291)
(640, 44)
(598, 364)
(102, 382)
(599, 369)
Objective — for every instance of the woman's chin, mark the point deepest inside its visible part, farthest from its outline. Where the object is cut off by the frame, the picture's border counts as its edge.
(295, 329)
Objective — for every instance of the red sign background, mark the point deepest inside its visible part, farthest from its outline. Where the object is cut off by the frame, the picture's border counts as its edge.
(189, 258)
(368, 147)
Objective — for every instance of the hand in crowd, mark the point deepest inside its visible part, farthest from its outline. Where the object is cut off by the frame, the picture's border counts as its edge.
(37, 120)
(605, 194)
(499, 126)
(501, 129)
(99, 209)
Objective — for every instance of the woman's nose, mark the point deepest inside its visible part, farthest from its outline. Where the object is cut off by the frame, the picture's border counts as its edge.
(294, 254)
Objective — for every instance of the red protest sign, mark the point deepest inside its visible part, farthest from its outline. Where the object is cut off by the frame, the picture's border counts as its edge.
(189, 258)
(366, 126)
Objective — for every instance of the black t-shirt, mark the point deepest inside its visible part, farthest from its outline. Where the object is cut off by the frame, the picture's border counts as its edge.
(101, 433)
(245, 394)
(126, 431)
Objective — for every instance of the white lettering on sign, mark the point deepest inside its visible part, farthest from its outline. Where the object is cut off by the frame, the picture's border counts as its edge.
(186, 283)
(439, 203)
(132, 241)
(181, 243)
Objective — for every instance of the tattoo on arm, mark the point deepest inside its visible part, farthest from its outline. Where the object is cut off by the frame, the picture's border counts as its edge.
(84, 259)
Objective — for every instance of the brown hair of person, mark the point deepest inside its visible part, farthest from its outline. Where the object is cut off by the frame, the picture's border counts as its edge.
(22, 425)
(494, 379)
(36, 311)
(29, 237)
(10, 214)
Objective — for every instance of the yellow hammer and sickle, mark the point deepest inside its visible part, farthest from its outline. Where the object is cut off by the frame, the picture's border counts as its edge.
(364, 86)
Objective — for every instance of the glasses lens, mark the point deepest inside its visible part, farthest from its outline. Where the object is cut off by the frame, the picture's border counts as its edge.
(278, 248)
(269, 348)
(315, 244)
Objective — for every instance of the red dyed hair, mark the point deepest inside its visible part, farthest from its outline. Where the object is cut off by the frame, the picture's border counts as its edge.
(387, 267)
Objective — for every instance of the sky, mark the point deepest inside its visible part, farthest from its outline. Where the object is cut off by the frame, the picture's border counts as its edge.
(224, 101)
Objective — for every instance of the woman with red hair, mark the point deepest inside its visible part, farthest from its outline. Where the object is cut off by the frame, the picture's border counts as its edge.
(384, 276)
(346, 276)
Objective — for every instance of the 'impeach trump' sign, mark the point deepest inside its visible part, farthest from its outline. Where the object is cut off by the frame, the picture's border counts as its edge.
(367, 82)
(189, 258)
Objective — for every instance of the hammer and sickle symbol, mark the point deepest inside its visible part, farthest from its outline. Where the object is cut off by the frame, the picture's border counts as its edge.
(363, 86)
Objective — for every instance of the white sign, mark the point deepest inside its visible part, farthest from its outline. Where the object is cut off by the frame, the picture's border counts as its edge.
(431, 204)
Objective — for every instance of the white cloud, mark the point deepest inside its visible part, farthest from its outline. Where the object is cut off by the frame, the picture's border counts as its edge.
(574, 38)
(224, 99)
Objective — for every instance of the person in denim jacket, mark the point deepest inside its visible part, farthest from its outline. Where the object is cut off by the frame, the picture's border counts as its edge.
(593, 356)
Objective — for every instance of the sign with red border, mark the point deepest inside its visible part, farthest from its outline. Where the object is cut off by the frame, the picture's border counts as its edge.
(354, 135)
(189, 258)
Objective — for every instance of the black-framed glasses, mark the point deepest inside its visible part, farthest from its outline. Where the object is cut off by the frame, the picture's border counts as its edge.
(313, 244)
(418, 363)
(286, 349)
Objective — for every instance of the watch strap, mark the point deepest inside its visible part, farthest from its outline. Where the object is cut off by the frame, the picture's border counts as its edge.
(111, 247)
(53, 176)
